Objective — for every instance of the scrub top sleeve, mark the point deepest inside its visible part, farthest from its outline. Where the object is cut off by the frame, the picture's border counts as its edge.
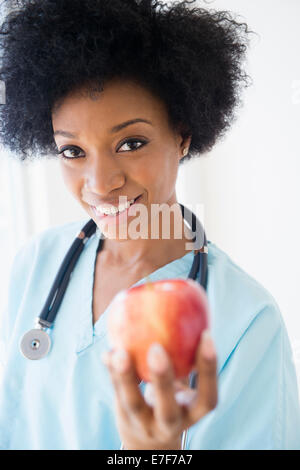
(18, 277)
(258, 404)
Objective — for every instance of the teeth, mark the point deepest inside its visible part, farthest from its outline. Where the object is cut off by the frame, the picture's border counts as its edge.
(114, 210)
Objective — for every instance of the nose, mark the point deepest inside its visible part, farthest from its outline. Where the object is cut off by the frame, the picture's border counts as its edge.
(103, 175)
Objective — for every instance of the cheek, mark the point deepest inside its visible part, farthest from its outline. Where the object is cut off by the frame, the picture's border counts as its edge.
(71, 179)
(162, 174)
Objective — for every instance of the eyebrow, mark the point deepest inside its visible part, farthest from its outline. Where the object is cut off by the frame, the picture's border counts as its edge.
(112, 131)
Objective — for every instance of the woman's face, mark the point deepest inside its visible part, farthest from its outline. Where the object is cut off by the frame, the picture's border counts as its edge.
(102, 163)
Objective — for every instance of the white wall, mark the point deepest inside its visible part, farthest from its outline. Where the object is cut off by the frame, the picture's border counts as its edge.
(247, 184)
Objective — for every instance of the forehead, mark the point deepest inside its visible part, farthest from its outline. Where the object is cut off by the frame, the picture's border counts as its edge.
(118, 102)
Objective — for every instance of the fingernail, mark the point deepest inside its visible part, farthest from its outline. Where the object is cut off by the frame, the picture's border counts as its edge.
(157, 358)
(207, 346)
(185, 397)
(120, 360)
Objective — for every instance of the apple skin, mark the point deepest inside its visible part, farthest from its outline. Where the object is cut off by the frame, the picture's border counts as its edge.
(172, 312)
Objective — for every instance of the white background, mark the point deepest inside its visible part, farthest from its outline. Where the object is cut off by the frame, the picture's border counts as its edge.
(248, 184)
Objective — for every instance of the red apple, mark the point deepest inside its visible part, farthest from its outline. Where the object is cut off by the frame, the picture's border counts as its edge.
(173, 312)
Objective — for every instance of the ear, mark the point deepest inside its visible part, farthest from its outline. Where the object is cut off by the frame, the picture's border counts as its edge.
(185, 145)
(183, 140)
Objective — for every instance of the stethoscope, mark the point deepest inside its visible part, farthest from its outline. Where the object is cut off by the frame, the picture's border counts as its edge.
(36, 343)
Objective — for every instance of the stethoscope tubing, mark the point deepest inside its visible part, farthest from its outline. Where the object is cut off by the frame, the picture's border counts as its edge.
(53, 301)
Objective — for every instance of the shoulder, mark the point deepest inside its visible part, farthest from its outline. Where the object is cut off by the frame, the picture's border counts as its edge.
(233, 282)
(49, 245)
(36, 263)
(57, 235)
(238, 302)
(33, 268)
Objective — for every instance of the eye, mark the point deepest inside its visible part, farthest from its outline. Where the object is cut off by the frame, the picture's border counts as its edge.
(72, 149)
(133, 141)
(69, 149)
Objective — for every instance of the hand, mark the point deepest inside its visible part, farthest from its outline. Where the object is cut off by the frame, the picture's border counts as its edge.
(158, 421)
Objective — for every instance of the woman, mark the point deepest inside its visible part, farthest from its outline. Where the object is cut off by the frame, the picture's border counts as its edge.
(122, 92)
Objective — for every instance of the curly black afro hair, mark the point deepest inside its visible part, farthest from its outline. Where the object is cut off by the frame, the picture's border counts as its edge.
(191, 58)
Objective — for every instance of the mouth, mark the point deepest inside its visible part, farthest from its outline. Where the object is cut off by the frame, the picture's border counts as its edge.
(110, 217)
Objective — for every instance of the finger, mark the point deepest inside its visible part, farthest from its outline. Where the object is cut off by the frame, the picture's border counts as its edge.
(186, 397)
(183, 394)
(207, 391)
(167, 412)
(114, 362)
(107, 360)
(126, 385)
(149, 394)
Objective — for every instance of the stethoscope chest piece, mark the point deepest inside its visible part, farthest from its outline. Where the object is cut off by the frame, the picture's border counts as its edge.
(35, 344)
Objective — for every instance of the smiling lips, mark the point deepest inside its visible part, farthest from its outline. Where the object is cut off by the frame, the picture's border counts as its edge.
(114, 210)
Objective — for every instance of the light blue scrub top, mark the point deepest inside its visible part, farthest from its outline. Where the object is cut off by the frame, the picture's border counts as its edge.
(65, 400)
